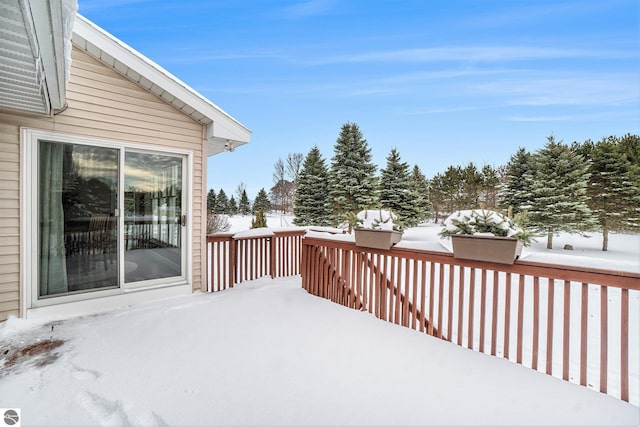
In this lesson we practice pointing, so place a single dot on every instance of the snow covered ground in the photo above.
(266, 352)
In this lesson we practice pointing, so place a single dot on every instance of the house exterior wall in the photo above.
(101, 104)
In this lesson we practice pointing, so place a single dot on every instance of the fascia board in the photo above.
(47, 21)
(224, 125)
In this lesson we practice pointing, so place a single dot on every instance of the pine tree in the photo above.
(420, 188)
(395, 194)
(437, 195)
(614, 188)
(352, 181)
(311, 200)
(244, 207)
(260, 221)
(559, 199)
(232, 208)
(472, 184)
(490, 185)
(262, 202)
(452, 188)
(515, 193)
(222, 202)
(211, 200)
(630, 145)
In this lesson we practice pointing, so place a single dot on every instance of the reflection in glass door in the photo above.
(153, 212)
(77, 222)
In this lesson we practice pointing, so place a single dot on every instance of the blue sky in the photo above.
(444, 82)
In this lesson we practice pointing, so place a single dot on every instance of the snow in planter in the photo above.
(483, 222)
(376, 219)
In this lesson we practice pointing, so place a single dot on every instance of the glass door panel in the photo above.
(77, 224)
(153, 211)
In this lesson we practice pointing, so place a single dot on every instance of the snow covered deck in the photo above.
(268, 353)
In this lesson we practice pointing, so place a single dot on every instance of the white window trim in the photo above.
(31, 306)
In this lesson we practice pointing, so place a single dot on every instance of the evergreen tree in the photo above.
(559, 199)
(490, 185)
(515, 192)
(262, 202)
(222, 202)
(472, 183)
(232, 208)
(630, 146)
(311, 200)
(395, 194)
(352, 181)
(437, 195)
(260, 221)
(244, 207)
(614, 188)
(420, 188)
(211, 200)
(452, 189)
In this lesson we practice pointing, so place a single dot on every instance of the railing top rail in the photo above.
(220, 237)
(615, 278)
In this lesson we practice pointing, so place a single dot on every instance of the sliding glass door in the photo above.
(84, 243)
(153, 216)
(78, 233)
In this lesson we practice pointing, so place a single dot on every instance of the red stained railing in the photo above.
(570, 322)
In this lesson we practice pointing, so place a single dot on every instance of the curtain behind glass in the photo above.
(53, 269)
(78, 234)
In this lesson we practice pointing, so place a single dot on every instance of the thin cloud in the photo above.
(308, 8)
(563, 89)
(472, 54)
(570, 117)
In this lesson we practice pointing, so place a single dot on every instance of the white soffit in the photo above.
(223, 131)
(32, 54)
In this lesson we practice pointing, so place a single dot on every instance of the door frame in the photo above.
(29, 226)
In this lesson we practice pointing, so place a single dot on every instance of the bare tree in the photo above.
(241, 188)
(294, 166)
(278, 191)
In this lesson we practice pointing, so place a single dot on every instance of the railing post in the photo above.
(232, 261)
(272, 256)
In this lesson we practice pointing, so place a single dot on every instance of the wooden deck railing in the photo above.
(234, 260)
(574, 323)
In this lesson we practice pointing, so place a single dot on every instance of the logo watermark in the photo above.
(10, 417)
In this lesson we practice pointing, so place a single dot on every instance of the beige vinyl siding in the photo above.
(9, 219)
(103, 104)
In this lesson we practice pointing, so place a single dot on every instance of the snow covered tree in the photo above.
(262, 202)
(352, 181)
(311, 200)
(515, 193)
(211, 200)
(420, 187)
(614, 187)
(559, 199)
(222, 202)
(244, 207)
(395, 194)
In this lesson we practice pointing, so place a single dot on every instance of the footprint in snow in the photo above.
(113, 413)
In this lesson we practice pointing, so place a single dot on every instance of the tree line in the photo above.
(589, 186)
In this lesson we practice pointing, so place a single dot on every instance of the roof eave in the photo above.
(221, 127)
(49, 28)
